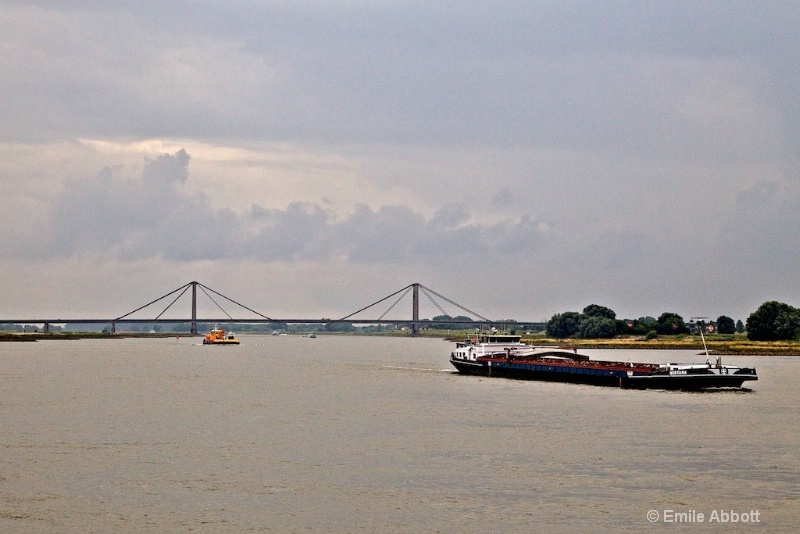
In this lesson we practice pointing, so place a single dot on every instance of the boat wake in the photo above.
(415, 369)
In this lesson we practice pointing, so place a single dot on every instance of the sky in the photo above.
(306, 158)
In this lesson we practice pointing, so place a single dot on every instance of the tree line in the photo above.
(772, 321)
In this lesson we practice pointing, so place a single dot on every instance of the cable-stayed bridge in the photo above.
(359, 316)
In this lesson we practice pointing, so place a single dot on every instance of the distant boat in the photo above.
(311, 335)
(218, 336)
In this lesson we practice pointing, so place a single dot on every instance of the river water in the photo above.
(373, 434)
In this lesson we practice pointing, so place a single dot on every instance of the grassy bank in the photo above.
(56, 336)
(717, 344)
(720, 347)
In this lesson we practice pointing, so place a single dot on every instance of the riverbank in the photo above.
(739, 345)
(738, 348)
(58, 336)
(719, 345)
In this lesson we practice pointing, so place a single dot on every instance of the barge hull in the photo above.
(600, 376)
(689, 382)
(549, 373)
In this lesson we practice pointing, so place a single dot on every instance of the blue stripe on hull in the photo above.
(599, 377)
(553, 373)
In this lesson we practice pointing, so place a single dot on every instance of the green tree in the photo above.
(787, 324)
(597, 326)
(339, 327)
(640, 326)
(670, 324)
(595, 310)
(725, 325)
(563, 325)
(450, 326)
(442, 326)
(773, 321)
(647, 323)
(739, 326)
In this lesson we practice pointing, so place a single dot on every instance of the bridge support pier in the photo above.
(415, 309)
(46, 328)
(194, 308)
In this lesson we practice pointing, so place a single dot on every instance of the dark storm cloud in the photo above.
(156, 215)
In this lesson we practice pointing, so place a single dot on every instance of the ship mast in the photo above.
(701, 321)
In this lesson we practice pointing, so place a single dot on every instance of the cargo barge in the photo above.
(504, 355)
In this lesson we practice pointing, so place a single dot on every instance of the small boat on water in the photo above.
(218, 336)
(504, 355)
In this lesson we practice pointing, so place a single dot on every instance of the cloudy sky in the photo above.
(308, 158)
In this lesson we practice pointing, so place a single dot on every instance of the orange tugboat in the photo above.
(217, 336)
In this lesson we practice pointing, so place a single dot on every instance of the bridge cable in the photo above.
(171, 303)
(215, 302)
(374, 303)
(153, 302)
(433, 301)
(457, 304)
(395, 303)
(231, 300)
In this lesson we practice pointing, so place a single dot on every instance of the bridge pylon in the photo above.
(194, 308)
(415, 309)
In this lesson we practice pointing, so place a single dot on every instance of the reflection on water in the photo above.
(347, 434)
